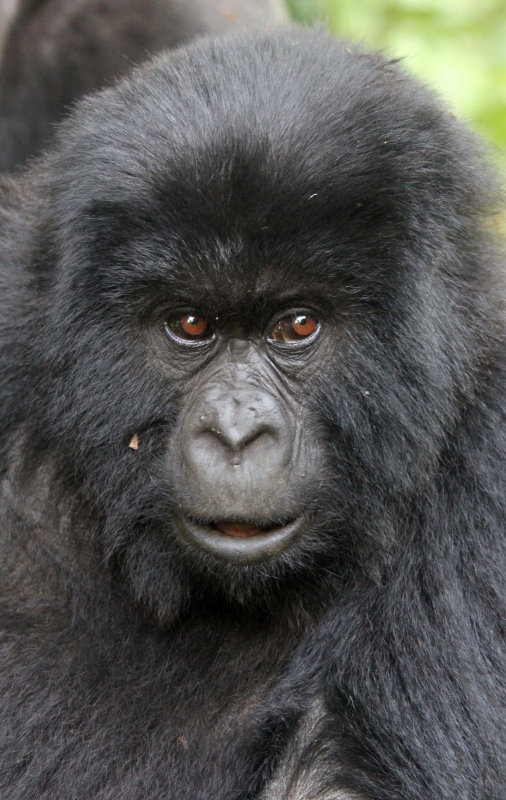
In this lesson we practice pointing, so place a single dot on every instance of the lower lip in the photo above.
(242, 549)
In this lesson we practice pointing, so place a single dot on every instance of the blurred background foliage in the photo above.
(456, 46)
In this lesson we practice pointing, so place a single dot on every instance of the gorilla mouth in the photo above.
(237, 540)
(243, 530)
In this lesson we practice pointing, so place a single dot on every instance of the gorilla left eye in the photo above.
(189, 328)
(293, 328)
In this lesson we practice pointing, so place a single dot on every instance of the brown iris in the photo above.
(293, 328)
(190, 327)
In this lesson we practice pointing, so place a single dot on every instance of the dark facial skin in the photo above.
(242, 455)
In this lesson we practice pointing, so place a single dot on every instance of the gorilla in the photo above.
(252, 439)
(54, 51)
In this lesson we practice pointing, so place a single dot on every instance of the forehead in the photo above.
(236, 229)
(243, 223)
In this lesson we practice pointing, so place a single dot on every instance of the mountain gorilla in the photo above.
(252, 538)
(54, 51)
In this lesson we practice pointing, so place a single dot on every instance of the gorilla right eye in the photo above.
(294, 327)
(189, 328)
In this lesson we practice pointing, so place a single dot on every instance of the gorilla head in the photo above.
(259, 316)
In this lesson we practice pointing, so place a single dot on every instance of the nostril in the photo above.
(238, 437)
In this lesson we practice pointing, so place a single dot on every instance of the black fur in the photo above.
(368, 661)
(55, 51)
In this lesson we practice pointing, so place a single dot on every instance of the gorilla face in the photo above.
(241, 458)
(256, 342)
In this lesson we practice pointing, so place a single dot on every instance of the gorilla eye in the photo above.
(293, 328)
(189, 328)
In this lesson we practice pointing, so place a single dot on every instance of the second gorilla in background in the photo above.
(55, 51)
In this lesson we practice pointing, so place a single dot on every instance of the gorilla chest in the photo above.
(187, 721)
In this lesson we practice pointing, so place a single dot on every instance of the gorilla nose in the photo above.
(242, 426)
(239, 419)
